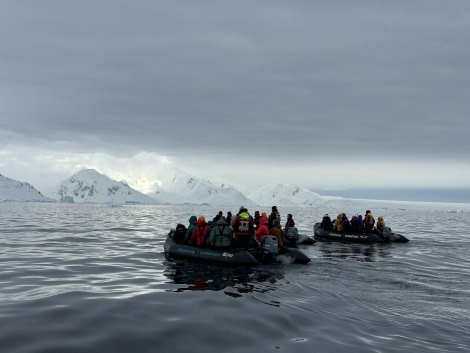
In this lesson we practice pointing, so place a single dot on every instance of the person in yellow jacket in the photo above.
(338, 226)
(380, 222)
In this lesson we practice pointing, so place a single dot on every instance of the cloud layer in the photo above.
(308, 92)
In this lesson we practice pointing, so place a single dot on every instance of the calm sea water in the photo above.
(88, 278)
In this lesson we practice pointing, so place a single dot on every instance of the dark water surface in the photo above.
(88, 278)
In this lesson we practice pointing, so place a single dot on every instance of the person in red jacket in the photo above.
(243, 229)
(264, 219)
(262, 231)
(369, 221)
(200, 232)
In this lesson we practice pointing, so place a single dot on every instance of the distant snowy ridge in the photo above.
(14, 190)
(181, 188)
(285, 195)
(88, 185)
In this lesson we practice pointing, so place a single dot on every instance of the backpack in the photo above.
(179, 233)
(371, 220)
(244, 226)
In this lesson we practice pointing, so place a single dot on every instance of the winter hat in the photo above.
(243, 209)
(201, 219)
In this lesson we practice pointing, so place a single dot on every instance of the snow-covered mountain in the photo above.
(14, 190)
(90, 186)
(178, 187)
(140, 183)
(175, 187)
(181, 188)
(285, 195)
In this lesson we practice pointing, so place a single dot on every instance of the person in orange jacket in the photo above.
(276, 230)
(200, 233)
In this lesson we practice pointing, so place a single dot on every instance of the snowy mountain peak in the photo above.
(88, 185)
(181, 188)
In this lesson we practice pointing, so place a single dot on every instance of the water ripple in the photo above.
(93, 278)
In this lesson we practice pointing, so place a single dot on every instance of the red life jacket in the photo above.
(369, 221)
(242, 226)
(199, 235)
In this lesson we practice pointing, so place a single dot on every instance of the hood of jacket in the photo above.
(221, 222)
(201, 222)
(244, 215)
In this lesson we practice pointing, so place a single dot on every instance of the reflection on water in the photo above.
(357, 251)
(201, 276)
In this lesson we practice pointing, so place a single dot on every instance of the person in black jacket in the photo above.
(274, 215)
(355, 224)
(326, 222)
(290, 221)
(217, 217)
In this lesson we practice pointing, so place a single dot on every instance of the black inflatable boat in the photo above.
(267, 252)
(384, 235)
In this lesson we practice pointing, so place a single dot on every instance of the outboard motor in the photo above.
(385, 233)
(291, 235)
(268, 249)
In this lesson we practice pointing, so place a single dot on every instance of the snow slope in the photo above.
(285, 195)
(181, 188)
(14, 190)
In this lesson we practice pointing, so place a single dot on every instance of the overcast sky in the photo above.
(324, 94)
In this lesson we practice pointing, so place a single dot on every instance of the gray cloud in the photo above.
(272, 81)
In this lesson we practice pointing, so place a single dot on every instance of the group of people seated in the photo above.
(243, 231)
(357, 224)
